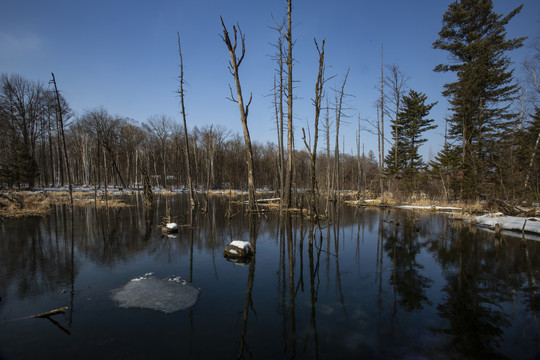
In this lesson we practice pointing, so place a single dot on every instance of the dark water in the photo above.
(428, 288)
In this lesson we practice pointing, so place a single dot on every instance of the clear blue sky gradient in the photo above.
(123, 55)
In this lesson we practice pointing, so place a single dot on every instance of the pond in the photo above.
(374, 284)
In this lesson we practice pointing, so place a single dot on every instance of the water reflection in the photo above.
(370, 283)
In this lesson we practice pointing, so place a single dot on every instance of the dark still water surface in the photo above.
(427, 288)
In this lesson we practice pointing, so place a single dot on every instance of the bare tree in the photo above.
(183, 110)
(396, 81)
(381, 129)
(234, 65)
(313, 151)
(339, 113)
(278, 103)
(60, 119)
(160, 126)
(290, 140)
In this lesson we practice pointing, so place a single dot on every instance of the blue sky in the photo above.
(123, 55)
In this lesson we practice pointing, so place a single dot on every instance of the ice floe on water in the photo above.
(168, 295)
(530, 226)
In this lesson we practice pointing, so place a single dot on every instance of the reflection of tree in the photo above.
(474, 291)
(35, 255)
(253, 229)
(292, 292)
(403, 246)
(314, 287)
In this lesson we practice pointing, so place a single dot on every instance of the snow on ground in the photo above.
(429, 207)
(532, 224)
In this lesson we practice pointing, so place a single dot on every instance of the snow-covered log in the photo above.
(238, 249)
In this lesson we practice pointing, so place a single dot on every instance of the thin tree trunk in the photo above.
(313, 152)
(183, 110)
(63, 140)
(339, 106)
(289, 173)
(279, 135)
(51, 153)
(328, 180)
(382, 123)
(244, 110)
(532, 160)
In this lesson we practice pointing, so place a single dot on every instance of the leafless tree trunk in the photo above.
(339, 113)
(278, 105)
(379, 143)
(279, 129)
(532, 161)
(382, 126)
(313, 152)
(328, 172)
(359, 158)
(290, 140)
(234, 64)
(397, 82)
(51, 153)
(186, 139)
(66, 160)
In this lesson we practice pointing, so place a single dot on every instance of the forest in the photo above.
(490, 151)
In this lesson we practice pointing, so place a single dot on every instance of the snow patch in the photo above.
(240, 244)
(432, 207)
(531, 224)
(172, 226)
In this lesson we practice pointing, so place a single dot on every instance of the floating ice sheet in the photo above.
(168, 295)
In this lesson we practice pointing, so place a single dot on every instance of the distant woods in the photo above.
(114, 150)
(491, 134)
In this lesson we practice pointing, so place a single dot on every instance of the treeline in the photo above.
(111, 149)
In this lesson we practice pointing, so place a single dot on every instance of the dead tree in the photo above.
(183, 110)
(339, 112)
(278, 103)
(382, 127)
(234, 64)
(397, 83)
(290, 140)
(313, 152)
(60, 119)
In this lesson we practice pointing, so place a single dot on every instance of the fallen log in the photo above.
(50, 313)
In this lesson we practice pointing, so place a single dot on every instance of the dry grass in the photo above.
(389, 200)
(18, 204)
(226, 193)
(28, 203)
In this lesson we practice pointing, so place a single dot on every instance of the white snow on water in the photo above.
(240, 244)
(168, 295)
(532, 224)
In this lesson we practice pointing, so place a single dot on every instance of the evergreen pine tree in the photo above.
(411, 123)
(446, 167)
(475, 37)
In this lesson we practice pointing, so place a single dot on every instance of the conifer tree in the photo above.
(446, 168)
(475, 37)
(412, 122)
